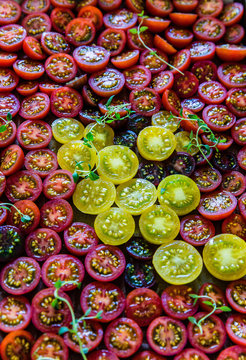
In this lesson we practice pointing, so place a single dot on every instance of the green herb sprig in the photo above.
(210, 302)
(140, 29)
(6, 122)
(75, 322)
(194, 137)
(7, 206)
(110, 116)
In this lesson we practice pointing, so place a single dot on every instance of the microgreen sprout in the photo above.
(140, 29)
(110, 116)
(6, 122)
(7, 206)
(210, 302)
(75, 322)
(194, 137)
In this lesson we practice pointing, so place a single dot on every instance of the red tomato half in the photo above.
(196, 230)
(49, 345)
(15, 313)
(217, 205)
(12, 37)
(10, 12)
(66, 102)
(235, 295)
(80, 238)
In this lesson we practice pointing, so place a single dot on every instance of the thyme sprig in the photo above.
(7, 206)
(110, 116)
(210, 302)
(140, 29)
(6, 122)
(75, 322)
(202, 127)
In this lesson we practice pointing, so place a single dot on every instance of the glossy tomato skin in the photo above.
(16, 313)
(210, 341)
(177, 303)
(33, 49)
(20, 281)
(215, 292)
(56, 215)
(196, 230)
(202, 50)
(183, 19)
(99, 264)
(62, 267)
(178, 37)
(105, 297)
(51, 343)
(27, 88)
(128, 327)
(226, 204)
(235, 295)
(143, 300)
(9, 80)
(231, 14)
(42, 243)
(80, 238)
(185, 6)
(154, 338)
(52, 318)
(161, 9)
(34, 134)
(28, 69)
(125, 59)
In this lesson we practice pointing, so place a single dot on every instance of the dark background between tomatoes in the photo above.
(159, 285)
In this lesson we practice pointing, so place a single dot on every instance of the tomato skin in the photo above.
(10, 12)
(230, 75)
(235, 295)
(163, 45)
(234, 34)
(183, 19)
(222, 212)
(178, 37)
(20, 340)
(92, 13)
(128, 326)
(209, 8)
(153, 64)
(18, 284)
(232, 13)
(70, 4)
(28, 69)
(121, 19)
(148, 355)
(241, 155)
(52, 344)
(27, 88)
(11, 159)
(162, 81)
(158, 8)
(234, 182)
(125, 60)
(60, 17)
(102, 354)
(202, 50)
(60, 67)
(227, 52)
(7, 59)
(185, 6)
(9, 80)
(185, 85)
(144, 95)
(32, 48)
(171, 101)
(137, 77)
(109, 5)
(155, 24)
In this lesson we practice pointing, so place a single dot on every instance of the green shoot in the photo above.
(211, 302)
(6, 122)
(194, 138)
(7, 206)
(75, 322)
(140, 29)
(111, 115)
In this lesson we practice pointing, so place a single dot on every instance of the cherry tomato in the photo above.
(2, 183)
(11, 159)
(160, 342)
(214, 292)
(61, 67)
(34, 134)
(162, 81)
(17, 344)
(209, 8)
(47, 318)
(49, 345)
(234, 182)
(145, 101)
(226, 52)
(24, 208)
(207, 179)
(113, 40)
(109, 5)
(28, 69)
(185, 85)
(12, 37)
(148, 355)
(212, 92)
(155, 24)
(234, 352)
(143, 301)
(223, 142)
(60, 17)
(59, 184)
(42, 243)
(178, 37)
(140, 249)
(235, 295)
(204, 70)
(213, 336)
(91, 58)
(151, 171)
(218, 118)
(56, 215)
(209, 29)
(107, 82)
(7, 136)
(67, 129)
(188, 354)
(134, 42)
(163, 45)
(177, 302)
(92, 13)
(236, 101)
(8, 80)
(80, 238)
(189, 194)
(185, 5)
(41, 162)
(196, 230)
(10, 12)
(171, 102)
(139, 274)
(48, 87)
(231, 266)
(241, 158)
(181, 163)
(27, 88)
(159, 8)
(80, 31)
(178, 262)
(15, 313)
(217, 205)
(183, 19)
(152, 63)
(70, 4)
(12, 239)
(225, 160)
(121, 19)
(36, 24)
(231, 75)
(235, 224)
(125, 59)
(8, 104)
(193, 104)
(137, 77)
(30, 6)
(105, 297)
(123, 336)
(23, 185)
(20, 276)
(54, 43)
(234, 34)
(232, 13)
(66, 268)
(202, 50)
(7, 59)
(33, 49)
(100, 354)
(66, 102)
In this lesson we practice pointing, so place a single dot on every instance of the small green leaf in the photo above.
(75, 177)
(193, 116)
(163, 191)
(141, 14)
(58, 284)
(99, 314)
(117, 115)
(79, 285)
(224, 308)
(89, 136)
(93, 176)
(133, 31)
(110, 99)
(181, 112)
(88, 145)
(143, 28)
(63, 330)
(4, 207)
(207, 147)
(3, 128)
(54, 303)
(25, 218)
(191, 135)
(208, 303)
(88, 311)
(9, 116)
(192, 320)
(153, 53)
